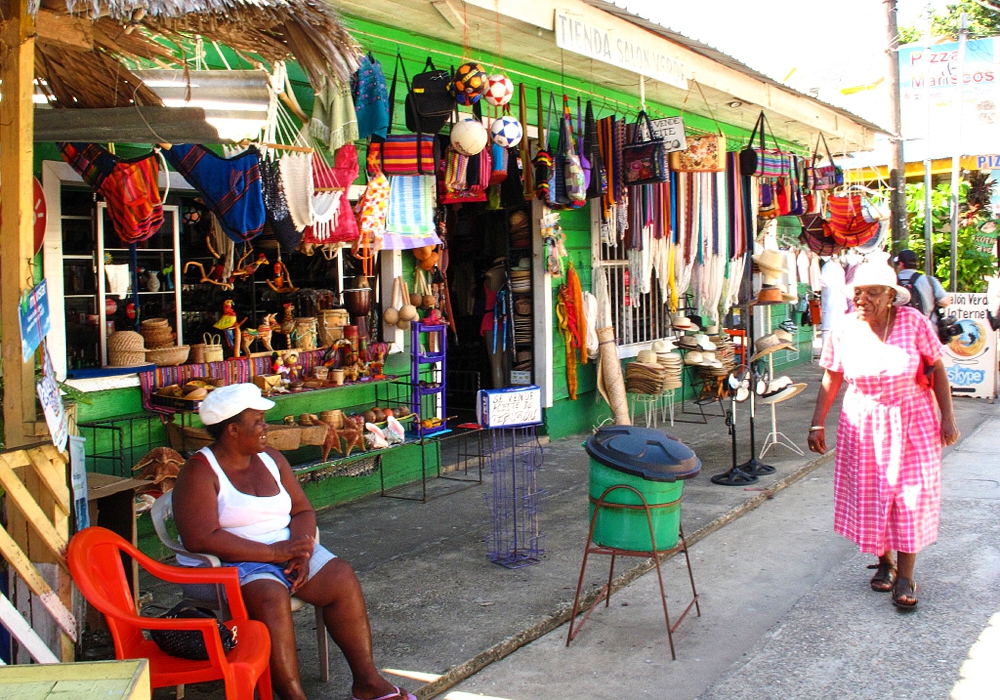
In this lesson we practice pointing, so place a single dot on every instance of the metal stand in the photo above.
(655, 553)
(776, 437)
(516, 500)
(735, 476)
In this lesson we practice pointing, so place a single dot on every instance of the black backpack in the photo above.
(916, 298)
(429, 102)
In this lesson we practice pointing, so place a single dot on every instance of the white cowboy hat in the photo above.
(703, 342)
(767, 344)
(663, 345)
(693, 358)
(873, 274)
(771, 259)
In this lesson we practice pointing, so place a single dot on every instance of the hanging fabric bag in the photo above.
(644, 160)
(371, 100)
(759, 160)
(705, 153)
(598, 186)
(429, 102)
(822, 177)
(581, 147)
(573, 175)
(542, 162)
(815, 237)
(847, 224)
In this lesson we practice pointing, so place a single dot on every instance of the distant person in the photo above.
(887, 478)
(926, 293)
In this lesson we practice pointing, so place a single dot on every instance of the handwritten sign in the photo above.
(509, 408)
(671, 130)
(52, 405)
(971, 358)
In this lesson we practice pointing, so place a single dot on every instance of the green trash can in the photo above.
(653, 463)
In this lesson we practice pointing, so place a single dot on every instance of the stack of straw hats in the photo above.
(646, 375)
(773, 266)
(671, 362)
(519, 226)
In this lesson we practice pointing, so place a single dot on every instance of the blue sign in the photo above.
(35, 320)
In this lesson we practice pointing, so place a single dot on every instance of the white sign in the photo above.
(971, 358)
(637, 51)
(78, 478)
(929, 76)
(671, 130)
(52, 405)
(509, 408)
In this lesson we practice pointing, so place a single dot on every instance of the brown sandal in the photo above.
(884, 578)
(904, 594)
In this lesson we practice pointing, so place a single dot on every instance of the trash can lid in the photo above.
(644, 452)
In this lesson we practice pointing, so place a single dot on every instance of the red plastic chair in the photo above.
(95, 563)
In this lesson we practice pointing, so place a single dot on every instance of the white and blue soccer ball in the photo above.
(506, 131)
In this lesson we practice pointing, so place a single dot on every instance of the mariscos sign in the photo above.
(636, 51)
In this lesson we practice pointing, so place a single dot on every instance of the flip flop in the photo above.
(400, 694)
(884, 578)
(904, 588)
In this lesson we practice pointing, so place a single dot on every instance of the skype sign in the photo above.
(971, 357)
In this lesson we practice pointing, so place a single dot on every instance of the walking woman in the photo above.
(887, 480)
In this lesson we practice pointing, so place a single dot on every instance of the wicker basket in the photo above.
(213, 347)
(334, 418)
(197, 353)
(168, 357)
(157, 336)
(154, 322)
(126, 349)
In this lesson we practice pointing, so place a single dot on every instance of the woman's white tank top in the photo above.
(258, 518)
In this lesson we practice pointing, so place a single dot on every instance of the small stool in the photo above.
(655, 553)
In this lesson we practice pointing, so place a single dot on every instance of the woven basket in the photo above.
(154, 322)
(125, 349)
(213, 347)
(168, 357)
(157, 336)
(197, 353)
(126, 358)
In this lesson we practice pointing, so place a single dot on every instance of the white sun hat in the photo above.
(872, 274)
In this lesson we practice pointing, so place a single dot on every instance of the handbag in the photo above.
(542, 162)
(705, 153)
(815, 237)
(406, 154)
(598, 186)
(190, 644)
(573, 175)
(822, 177)
(760, 161)
(429, 103)
(644, 160)
(581, 148)
(769, 208)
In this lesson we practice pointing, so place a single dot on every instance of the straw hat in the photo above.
(688, 341)
(871, 274)
(767, 344)
(703, 342)
(771, 260)
(663, 345)
(694, 358)
(712, 330)
(784, 335)
(769, 295)
(781, 389)
(646, 357)
(683, 323)
(708, 359)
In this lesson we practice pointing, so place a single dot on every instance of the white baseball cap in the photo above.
(227, 401)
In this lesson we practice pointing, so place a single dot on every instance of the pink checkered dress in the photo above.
(887, 481)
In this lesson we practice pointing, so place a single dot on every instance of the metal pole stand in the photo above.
(776, 437)
(656, 554)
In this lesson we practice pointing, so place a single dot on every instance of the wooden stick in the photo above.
(276, 146)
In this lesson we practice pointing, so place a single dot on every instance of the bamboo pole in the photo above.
(17, 35)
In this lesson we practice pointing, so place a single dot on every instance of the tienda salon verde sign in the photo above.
(630, 48)
(971, 357)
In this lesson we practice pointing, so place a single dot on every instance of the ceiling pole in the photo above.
(897, 167)
(17, 71)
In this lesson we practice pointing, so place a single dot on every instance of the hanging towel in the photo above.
(297, 181)
(410, 219)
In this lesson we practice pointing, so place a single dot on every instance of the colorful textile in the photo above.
(887, 480)
(373, 206)
(276, 206)
(410, 220)
(129, 186)
(230, 187)
(371, 98)
(334, 121)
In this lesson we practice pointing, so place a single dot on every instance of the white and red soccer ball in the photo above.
(506, 131)
(499, 90)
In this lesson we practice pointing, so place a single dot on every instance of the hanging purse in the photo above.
(581, 147)
(822, 177)
(847, 225)
(542, 162)
(768, 208)
(644, 160)
(573, 175)
(598, 186)
(815, 237)
(704, 153)
(760, 161)
(405, 154)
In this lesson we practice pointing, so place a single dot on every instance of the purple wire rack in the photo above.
(515, 501)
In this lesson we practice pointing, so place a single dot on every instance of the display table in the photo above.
(107, 680)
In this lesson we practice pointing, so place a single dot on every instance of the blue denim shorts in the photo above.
(257, 571)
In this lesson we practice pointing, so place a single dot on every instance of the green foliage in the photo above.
(972, 263)
(982, 23)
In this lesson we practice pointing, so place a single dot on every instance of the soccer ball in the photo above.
(499, 90)
(506, 131)
(469, 83)
(192, 215)
(469, 136)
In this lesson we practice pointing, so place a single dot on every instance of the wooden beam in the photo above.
(23, 633)
(65, 30)
(17, 559)
(16, 491)
(17, 72)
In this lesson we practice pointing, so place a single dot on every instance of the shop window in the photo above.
(638, 318)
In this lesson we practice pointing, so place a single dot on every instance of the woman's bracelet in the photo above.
(814, 428)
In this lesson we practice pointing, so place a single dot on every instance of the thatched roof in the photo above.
(81, 44)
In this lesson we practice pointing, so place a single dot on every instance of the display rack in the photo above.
(428, 377)
(775, 436)
(515, 501)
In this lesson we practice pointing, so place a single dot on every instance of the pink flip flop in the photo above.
(400, 694)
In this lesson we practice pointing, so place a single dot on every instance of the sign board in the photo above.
(35, 321)
(929, 92)
(509, 408)
(634, 50)
(671, 130)
(971, 358)
(52, 405)
(78, 478)
(520, 377)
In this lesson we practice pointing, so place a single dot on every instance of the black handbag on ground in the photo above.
(190, 644)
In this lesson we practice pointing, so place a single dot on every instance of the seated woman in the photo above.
(239, 500)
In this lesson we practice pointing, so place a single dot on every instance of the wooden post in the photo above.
(17, 70)
(899, 228)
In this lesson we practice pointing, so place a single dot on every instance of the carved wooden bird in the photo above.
(228, 318)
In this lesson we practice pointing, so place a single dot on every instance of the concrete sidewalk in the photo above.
(442, 613)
